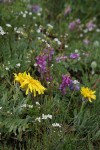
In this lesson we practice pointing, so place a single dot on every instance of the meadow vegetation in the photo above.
(50, 75)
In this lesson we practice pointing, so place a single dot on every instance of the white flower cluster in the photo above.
(56, 125)
(26, 106)
(8, 25)
(19, 30)
(2, 31)
(50, 26)
(44, 117)
(25, 13)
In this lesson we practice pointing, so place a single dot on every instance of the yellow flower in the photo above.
(28, 83)
(87, 93)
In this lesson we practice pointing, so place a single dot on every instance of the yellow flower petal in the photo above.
(29, 84)
(88, 93)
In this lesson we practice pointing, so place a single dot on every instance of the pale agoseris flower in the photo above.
(88, 93)
(29, 84)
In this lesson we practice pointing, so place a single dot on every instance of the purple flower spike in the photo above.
(49, 54)
(41, 64)
(66, 81)
(74, 55)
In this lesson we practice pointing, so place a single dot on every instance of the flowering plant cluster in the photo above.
(49, 75)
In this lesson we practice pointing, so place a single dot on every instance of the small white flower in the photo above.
(56, 125)
(49, 116)
(2, 32)
(24, 15)
(52, 65)
(38, 14)
(0, 107)
(66, 46)
(26, 12)
(75, 82)
(8, 25)
(85, 30)
(43, 40)
(1, 28)
(15, 28)
(30, 106)
(7, 68)
(76, 50)
(44, 117)
(38, 119)
(59, 43)
(35, 25)
(37, 103)
(38, 38)
(48, 45)
(21, 13)
(48, 82)
(50, 26)
(97, 30)
(81, 35)
(38, 31)
(55, 39)
(30, 13)
(34, 18)
(24, 106)
(18, 65)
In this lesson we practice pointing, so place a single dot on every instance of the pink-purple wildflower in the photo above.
(35, 8)
(90, 25)
(41, 63)
(67, 10)
(74, 24)
(66, 81)
(86, 42)
(74, 55)
(61, 58)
